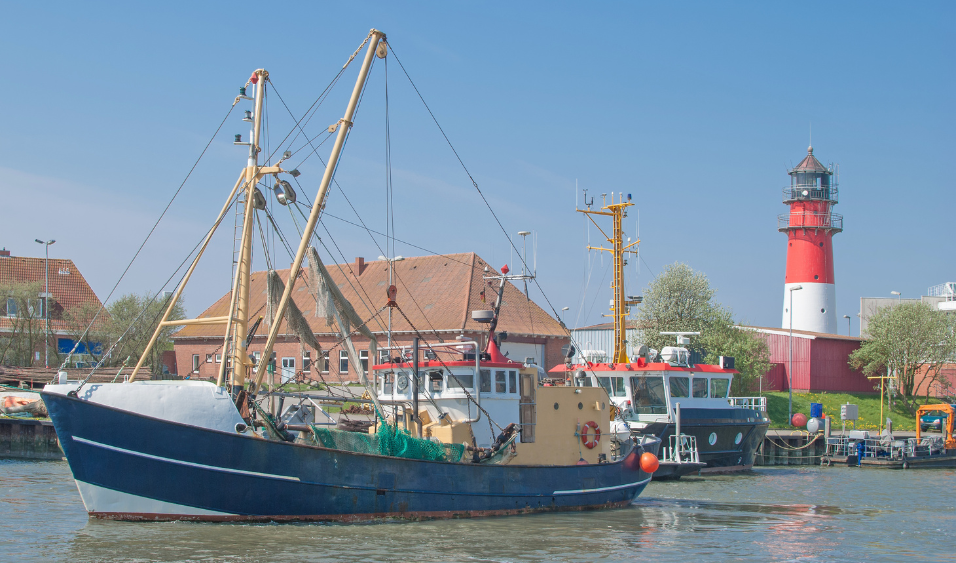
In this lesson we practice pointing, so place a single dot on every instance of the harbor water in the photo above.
(770, 514)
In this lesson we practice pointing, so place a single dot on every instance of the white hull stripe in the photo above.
(185, 463)
(616, 487)
(100, 500)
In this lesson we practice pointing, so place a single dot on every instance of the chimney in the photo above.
(359, 266)
(4, 252)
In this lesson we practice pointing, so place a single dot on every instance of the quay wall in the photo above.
(28, 439)
(786, 448)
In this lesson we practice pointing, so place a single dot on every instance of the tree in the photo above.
(23, 309)
(133, 319)
(681, 300)
(907, 339)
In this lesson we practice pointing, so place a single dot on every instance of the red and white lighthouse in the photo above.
(810, 227)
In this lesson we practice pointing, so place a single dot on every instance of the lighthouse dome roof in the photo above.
(810, 164)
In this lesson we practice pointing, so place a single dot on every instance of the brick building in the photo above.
(68, 292)
(436, 295)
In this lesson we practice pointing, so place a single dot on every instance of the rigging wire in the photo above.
(150, 234)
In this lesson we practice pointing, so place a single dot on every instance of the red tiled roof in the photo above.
(436, 293)
(68, 287)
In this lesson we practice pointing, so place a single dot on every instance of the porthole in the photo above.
(603, 405)
(712, 439)
(823, 310)
(816, 277)
(738, 438)
(821, 245)
(785, 310)
(580, 406)
(555, 406)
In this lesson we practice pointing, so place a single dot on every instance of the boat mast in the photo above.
(240, 361)
(343, 125)
(619, 305)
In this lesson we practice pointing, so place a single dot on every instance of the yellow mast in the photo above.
(619, 305)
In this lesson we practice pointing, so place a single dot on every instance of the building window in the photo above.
(256, 356)
(325, 362)
(208, 358)
(195, 363)
(219, 358)
(11, 307)
(343, 361)
(363, 356)
(307, 362)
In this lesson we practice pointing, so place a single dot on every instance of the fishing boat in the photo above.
(215, 451)
(687, 405)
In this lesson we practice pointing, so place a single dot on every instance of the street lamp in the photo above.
(847, 317)
(790, 370)
(563, 309)
(390, 266)
(898, 295)
(46, 301)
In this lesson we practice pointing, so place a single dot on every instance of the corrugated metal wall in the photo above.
(600, 339)
(819, 364)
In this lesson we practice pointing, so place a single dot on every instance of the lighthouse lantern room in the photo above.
(810, 226)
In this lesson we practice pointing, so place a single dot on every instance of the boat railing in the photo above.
(681, 449)
(754, 403)
(884, 447)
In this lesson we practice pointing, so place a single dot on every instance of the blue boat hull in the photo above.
(133, 467)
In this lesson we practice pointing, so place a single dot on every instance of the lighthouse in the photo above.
(810, 226)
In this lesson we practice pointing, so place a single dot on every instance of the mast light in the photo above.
(248, 116)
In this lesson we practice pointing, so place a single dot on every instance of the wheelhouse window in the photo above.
(719, 388)
(458, 380)
(700, 387)
(484, 381)
(680, 387)
(648, 395)
(388, 378)
(435, 380)
(501, 385)
(583, 381)
(512, 382)
(613, 385)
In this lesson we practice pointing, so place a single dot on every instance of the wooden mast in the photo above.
(343, 125)
(619, 305)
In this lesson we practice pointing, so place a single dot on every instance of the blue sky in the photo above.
(695, 108)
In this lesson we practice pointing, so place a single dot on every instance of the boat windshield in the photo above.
(648, 395)
(700, 387)
(613, 385)
(680, 387)
(466, 378)
(719, 388)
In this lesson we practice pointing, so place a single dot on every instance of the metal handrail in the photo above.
(754, 403)
(811, 193)
(810, 220)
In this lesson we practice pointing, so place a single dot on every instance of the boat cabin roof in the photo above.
(426, 364)
(643, 367)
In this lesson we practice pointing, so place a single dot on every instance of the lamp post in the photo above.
(790, 370)
(563, 309)
(847, 317)
(46, 301)
(898, 295)
(390, 262)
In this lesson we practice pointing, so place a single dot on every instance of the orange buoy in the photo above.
(649, 462)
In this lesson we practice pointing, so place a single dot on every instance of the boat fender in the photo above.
(587, 439)
(649, 462)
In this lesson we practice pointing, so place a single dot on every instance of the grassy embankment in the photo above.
(869, 409)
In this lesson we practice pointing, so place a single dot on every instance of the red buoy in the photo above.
(649, 462)
(799, 420)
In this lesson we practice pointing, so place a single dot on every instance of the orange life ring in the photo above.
(586, 438)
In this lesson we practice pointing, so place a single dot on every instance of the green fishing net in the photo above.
(390, 441)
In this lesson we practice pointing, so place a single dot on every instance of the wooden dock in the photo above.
(27, 438)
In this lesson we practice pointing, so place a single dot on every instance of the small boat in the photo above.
(858, 449)
(686, 405)
(212, 451)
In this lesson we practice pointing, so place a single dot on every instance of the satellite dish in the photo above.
(568, 350)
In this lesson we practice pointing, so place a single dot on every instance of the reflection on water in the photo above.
(809, 514)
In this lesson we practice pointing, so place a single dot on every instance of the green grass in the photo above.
(869, 409)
